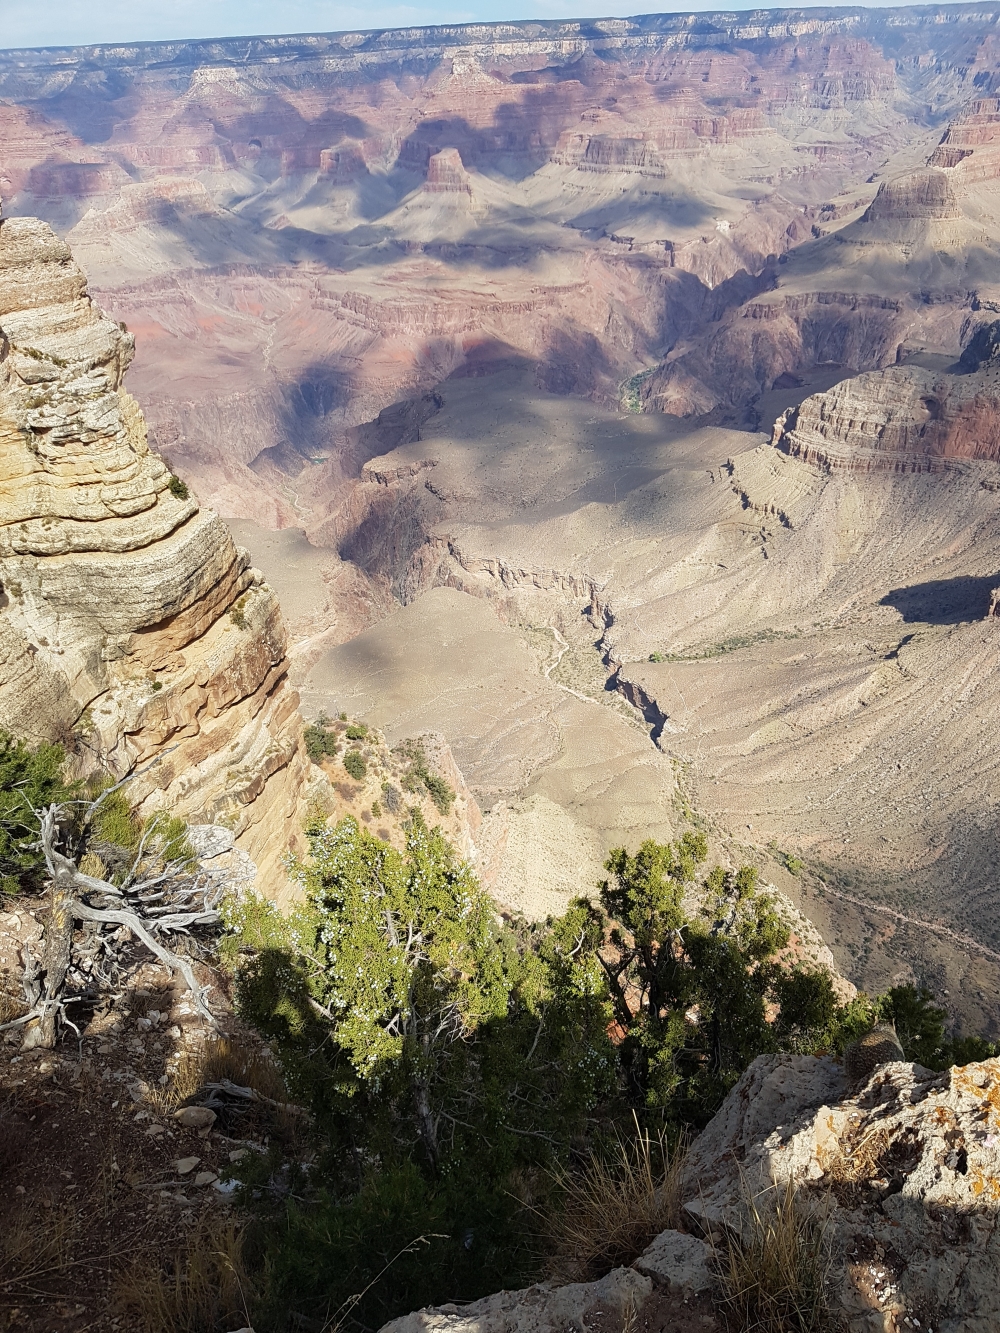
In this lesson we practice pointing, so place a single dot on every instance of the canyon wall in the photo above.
(133, 629)
(903, 419)
(304, 230)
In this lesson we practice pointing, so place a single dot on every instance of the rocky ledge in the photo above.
(132, 628)
(904, 1169)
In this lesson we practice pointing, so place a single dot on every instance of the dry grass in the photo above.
(611, 1210)
(247, 1063)
(11, 1006)
(872, 1162)
(773, 1276)
(203, 1288)
(36, 1245)
(237, 1059)
(858, 1164)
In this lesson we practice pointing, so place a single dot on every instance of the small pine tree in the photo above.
(30, 778)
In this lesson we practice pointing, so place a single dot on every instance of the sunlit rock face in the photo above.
(133, 629)
(302, 231)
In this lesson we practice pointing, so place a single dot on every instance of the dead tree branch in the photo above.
(154, 897)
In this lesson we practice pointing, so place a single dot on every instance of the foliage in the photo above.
(203, 1286)
(29, 779)
(118, 841)
(418, 776)
(321, 739)
(357, 731)
(238, 613)
(630, 391)
(919, 1024)
(354, 762)
(504, 1091)
(178, 488)
(690, 995)
(613, 1206)
(449, 1058)
(967, 1050)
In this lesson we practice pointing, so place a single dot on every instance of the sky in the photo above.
(79, 22)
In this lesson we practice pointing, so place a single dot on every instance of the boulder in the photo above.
(679, 1262)
(539, 1309)
(907, 1170)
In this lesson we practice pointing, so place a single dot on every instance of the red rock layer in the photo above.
(972, 141)
(904, 419)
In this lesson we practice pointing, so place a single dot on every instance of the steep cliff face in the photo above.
(132, 627)
(903, 419)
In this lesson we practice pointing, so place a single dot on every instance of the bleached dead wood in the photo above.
(155, 897)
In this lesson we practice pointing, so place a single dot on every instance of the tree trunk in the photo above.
(41, 1032)
(425, 1116)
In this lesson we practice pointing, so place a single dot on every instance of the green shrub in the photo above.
(115, 823)
(919, 1024)
(321, 739)
(630, 391)
(30, 777)
(418, 777)
(357, 731)
(238, 614)
(354, 762)
(178, 488)
(404, 1012)
(473, 1078)
(440, 793)
(393, 798)
(969, 1050)
(118, 834)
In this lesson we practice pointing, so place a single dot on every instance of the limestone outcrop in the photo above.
(132, 628)
(906, 1172)
(908, 1169)
(540, 1309)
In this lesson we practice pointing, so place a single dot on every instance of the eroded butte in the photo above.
(618, 398)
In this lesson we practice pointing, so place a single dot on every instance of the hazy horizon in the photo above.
(80, 23)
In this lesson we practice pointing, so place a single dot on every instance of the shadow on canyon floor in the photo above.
(943, 601)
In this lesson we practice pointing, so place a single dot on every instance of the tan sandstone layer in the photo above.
(132, 628)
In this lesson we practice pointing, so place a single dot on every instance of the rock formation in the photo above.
(593, 194)
(908, 1167)
(132, 628)
(906, 1170)
(903, 419)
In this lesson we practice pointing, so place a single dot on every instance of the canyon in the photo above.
(617, 398)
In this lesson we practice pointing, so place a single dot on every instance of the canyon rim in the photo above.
(584, 431)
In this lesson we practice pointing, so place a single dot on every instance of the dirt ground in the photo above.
(98, 1182)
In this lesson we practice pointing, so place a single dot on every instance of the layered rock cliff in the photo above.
(902, 419)
(132, 628)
